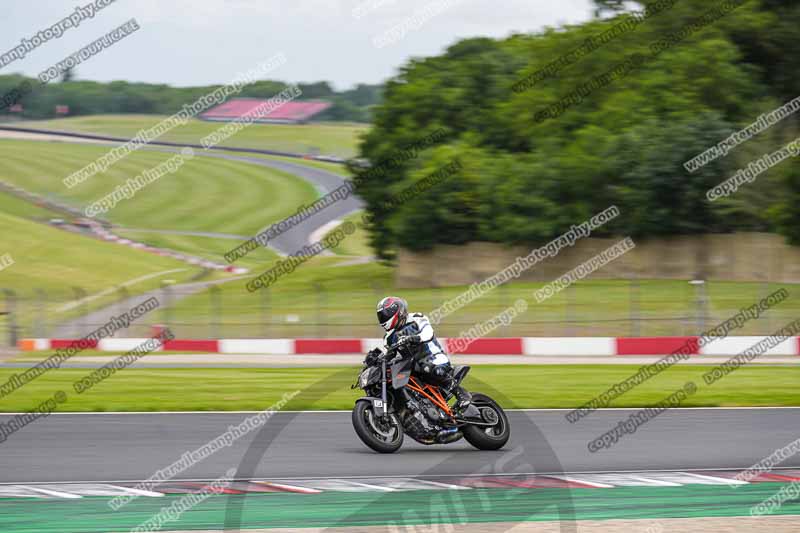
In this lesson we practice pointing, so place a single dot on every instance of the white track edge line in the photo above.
(423, 476)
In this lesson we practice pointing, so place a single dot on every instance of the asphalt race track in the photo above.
(293, 240)
(131, 447)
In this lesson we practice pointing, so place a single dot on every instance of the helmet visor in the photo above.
(387, 318)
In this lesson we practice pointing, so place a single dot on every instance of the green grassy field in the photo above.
(325, 138)
(204, 194)
(519, 386)
(12, 205)
(209, 248)
(51, 259)
(209, 195)
(49, 262)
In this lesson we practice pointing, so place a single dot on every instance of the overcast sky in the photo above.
(199, 42)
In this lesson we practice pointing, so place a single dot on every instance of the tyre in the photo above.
(483, 437)
(383, 437)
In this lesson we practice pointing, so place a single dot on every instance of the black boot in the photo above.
(463, 398)
(443, 376)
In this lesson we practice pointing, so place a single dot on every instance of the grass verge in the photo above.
(205, 194)
(524, 386)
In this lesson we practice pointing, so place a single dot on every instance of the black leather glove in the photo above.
(413, 339)
(408, 339)
(372, 356)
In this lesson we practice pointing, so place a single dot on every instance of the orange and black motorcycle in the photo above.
(397, 403)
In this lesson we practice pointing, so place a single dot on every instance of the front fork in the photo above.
(380, 407)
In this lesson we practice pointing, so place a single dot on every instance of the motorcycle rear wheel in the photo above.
(383, 437)
(488, 438)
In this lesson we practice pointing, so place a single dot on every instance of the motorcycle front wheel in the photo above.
(382, 435)
(491, 437)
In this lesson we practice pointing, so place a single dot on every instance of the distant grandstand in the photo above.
(288, 113)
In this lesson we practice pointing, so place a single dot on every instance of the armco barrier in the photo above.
(536, 346)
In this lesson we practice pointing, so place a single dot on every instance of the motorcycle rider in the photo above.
(415, 333)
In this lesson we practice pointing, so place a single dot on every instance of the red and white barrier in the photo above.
(569, 346)
(544, 346)
(736, 345)
(268, 346)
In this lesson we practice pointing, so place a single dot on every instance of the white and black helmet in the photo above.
(392, 313)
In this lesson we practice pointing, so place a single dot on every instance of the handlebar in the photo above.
(389, 360)
(394, 347)
(390, 351)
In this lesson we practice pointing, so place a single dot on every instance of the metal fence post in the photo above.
(216, 311)
(40, 328)
(265, 311)
(166, 289)
(700, 305)
(569, 300)
(764, 294)
(686, 319)
(635, 309)
(123, 296)
(80, 323)
(502, 294)
(10, 312)
(321, 301)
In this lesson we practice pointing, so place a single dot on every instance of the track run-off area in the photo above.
(309, 468)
